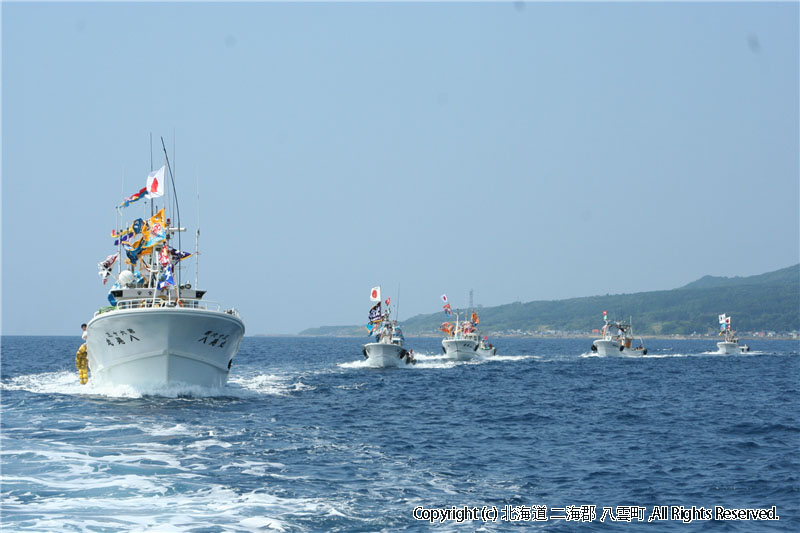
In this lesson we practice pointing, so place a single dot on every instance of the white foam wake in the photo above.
(66, 382)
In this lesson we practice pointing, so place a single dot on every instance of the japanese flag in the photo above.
(375, 294)
(155, 183)
(444, 298)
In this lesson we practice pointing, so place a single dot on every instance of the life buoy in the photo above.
(364, 351)
(82, 364)
(594, 348)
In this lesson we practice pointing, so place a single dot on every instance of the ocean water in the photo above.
(306, 438)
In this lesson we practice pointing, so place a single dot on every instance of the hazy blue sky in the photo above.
(536, 151)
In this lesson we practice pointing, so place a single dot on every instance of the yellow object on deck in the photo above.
(82, 363)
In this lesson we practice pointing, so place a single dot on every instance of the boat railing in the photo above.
(149, 303)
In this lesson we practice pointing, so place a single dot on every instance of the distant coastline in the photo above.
(761, 306)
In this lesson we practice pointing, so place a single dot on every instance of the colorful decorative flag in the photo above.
(375, 314)
(370, 326)
(722, 319)
(447, 328)
(104, 267)
(447, 309)
(168, 279)
(178, 255)
(475, 318)
(128, 233)
(156, 230)
(375, 294)
(388, 300)
(133, 197)
(134, 250)
(155, 183)
(165, 258)
(604, 314)
(444, 298)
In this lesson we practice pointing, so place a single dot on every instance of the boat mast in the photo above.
(177, 214)
(197, 238)
(118, 223)
(151, 170)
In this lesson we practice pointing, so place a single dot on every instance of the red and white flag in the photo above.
(375, 294)
(388, 300)
(444, 298)
(155, 183)
(165, 258)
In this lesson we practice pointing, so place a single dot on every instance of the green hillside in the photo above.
(766, 302)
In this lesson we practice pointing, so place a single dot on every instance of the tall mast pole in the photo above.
(151, 169)
(177, 210)
(197, 237)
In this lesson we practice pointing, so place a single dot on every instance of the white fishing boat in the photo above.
(485, 348)
(617, 339)
(388, 350)
(461, 343)
(158, 331)
(730, 345)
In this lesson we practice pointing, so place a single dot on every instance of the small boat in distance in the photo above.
(731, 343)
(461, 342)
(617, 339)
(158, 331)
(485, 348)
(388, 350)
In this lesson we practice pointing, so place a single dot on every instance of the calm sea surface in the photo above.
(306, 438)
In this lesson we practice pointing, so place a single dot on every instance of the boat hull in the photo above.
(611, 347)
(486, 352)
(383, 355)
(730, 348)
(155, 347)
(460, 349)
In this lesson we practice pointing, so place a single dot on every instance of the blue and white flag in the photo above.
(375, 314)
(370, 327)
(168, 279)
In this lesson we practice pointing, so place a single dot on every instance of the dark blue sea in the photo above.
(306, 438)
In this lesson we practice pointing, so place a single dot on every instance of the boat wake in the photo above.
(67, 383)
(490, 358)
(160, 477)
